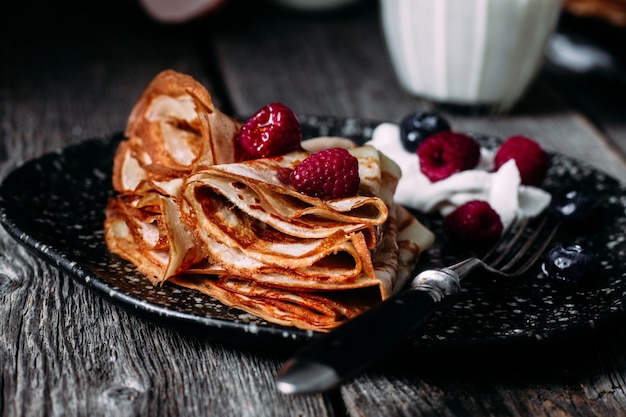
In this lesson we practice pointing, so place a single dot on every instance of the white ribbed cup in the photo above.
(468, 52)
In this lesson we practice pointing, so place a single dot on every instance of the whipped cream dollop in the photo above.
(502, 189)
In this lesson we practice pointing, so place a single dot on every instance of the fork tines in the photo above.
(521, 245)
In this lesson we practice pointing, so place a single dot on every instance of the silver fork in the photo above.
(336, 356)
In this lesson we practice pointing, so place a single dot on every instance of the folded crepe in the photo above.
(173, 128)
(190, 212)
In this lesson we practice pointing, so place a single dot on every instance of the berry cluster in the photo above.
(443, 152)
(274, 130)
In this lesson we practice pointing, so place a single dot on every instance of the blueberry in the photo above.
(417, 126)
(573, 207)
(570, 264)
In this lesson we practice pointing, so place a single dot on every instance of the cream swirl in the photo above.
(502, 189)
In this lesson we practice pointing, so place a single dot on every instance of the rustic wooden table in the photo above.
(71, 71)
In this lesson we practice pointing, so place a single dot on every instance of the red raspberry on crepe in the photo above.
(273, 130)
(330, 173)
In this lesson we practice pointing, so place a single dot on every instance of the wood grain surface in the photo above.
(71, 72)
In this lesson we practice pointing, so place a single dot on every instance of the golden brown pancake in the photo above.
(189, 212)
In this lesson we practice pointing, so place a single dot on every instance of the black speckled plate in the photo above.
(54, 205)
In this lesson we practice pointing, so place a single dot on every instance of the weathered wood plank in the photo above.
(580, 377)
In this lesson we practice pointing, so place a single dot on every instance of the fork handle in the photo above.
(340, 354)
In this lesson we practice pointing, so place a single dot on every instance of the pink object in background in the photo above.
(178, 11)
(315, 5)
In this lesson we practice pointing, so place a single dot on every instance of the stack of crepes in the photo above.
(189, 212)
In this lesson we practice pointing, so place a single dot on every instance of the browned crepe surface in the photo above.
(189, 212)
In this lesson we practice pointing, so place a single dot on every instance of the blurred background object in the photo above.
(315, 5)
(475, 53)
(179, 11)
(612, 11)
(589, 40)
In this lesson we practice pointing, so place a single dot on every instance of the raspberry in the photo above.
(330, 173)
(474, 222)
(273, 130)
(446, 153)
(531, 160)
